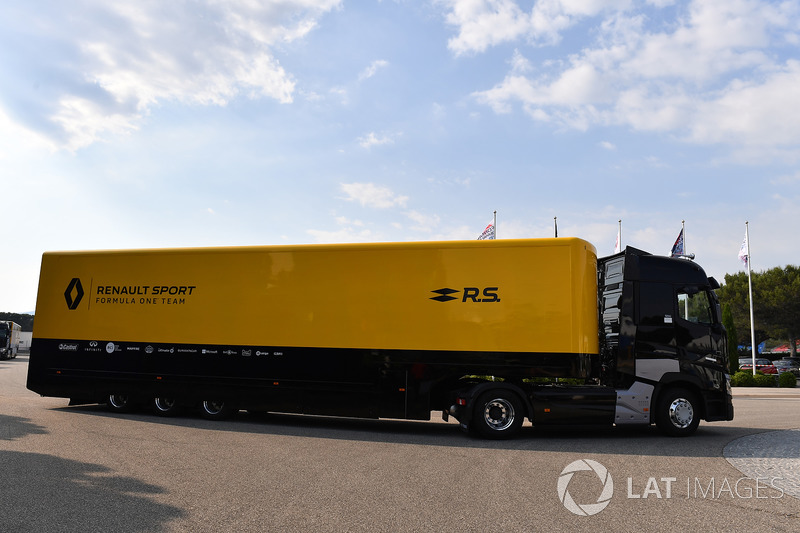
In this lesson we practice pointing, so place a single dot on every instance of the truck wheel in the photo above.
(166, 406)
(677, 413)
(120, 403)
(216, 409)
(497, 415)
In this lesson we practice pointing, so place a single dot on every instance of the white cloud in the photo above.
(787, 179)
(372, 69)
(346, 234)
(718, 37)
(101, 72)
(711, 77)
(372, 139)
(371, 195)
(762, 112)
(422, 222)
(519, 63)
(485, 23)
(347, 231)
(344, 221)
(608, 145)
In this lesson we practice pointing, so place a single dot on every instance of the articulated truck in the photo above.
(9, 339)
(489, 332)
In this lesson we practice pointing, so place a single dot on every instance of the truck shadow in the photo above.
(51, 493)
(709, 440)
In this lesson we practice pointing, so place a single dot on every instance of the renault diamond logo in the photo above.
(76, 288)
(444, 295)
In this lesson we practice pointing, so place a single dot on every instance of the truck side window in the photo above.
(655, 303)
(694, 306)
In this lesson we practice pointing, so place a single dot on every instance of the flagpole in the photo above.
(555, 226)
(750, 288)
(686, 252)
(683, 230)
(494, 221)
(620, 234)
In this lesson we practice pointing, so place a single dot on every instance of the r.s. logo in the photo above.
(468, 294)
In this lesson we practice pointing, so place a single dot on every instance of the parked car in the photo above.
(788, 365)
(763, 365)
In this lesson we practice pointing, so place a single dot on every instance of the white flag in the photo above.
(744, 251)
(488, 233)
(617, 247)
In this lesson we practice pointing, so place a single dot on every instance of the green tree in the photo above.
(776, 304)
(734, 293)
(779, 301)
(25, 321)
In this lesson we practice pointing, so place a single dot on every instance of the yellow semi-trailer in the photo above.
(393, 330)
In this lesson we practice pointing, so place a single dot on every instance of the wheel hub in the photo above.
(499, 414)
(681, 413)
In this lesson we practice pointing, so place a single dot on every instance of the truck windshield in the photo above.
(695, 307)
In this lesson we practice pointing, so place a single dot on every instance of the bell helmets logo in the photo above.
(585, 509)
(74, 294)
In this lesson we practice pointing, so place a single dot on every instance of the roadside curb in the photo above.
(765, 392)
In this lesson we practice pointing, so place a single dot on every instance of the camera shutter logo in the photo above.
(586, 509)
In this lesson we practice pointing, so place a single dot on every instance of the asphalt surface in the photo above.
(83, 469)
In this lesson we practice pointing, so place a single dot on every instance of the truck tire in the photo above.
(497, 414)
(216, 409)
(165, 406)
(120, 403)
(677, 412)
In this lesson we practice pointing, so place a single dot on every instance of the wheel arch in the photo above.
(474, 392)
(678, 381)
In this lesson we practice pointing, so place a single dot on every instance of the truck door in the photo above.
(699, 334)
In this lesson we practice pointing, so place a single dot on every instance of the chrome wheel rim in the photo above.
(213, 407)
(118, 401)
(164, 404)
(498, 414)
(681, 413)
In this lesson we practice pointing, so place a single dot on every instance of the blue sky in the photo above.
(245, 122)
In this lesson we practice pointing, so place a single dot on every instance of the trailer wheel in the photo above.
(164, 406)
(120, 403)
(216, 409)
(678, 413)
(497, 415)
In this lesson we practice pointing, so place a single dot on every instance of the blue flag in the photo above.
(677, 248)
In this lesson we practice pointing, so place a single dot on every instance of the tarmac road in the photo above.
(82, 469)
